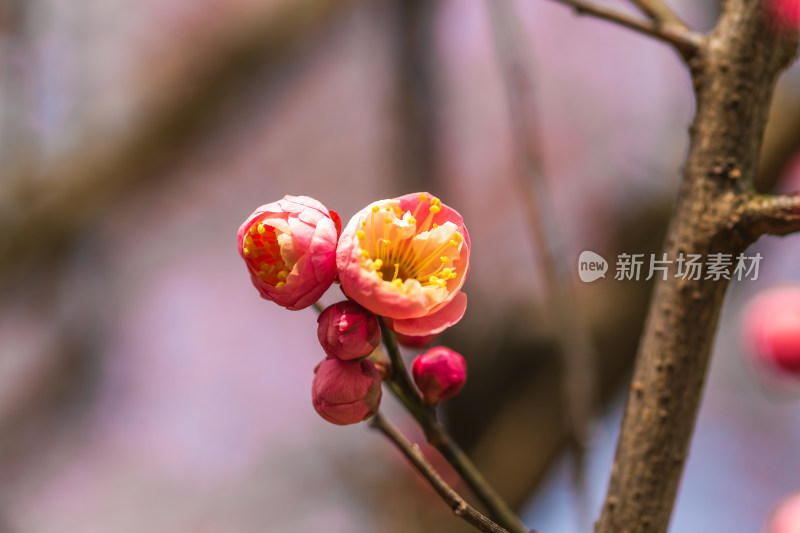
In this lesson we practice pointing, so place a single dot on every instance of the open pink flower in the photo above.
(439, 374)
(406, 259)
(290, 250)
(348, 331)
(346, 392)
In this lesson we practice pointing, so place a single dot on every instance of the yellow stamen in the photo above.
(397, 283)
(261, 229)
(396, 270)
(388, 208)
(361, 235)
(435, 226)
(252, 230)
(280, 284)
(435, 209)
(412, 220)
(283, 274)
(423, 197)
(246, 251)
(377, 264)
(444, 259)
(375, 208)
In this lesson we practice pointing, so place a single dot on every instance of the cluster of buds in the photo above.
(404, 259)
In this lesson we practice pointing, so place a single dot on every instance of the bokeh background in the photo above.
(144, 385)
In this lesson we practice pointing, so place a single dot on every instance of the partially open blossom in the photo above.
(346, 392)
(406, 259)
(785, 518)
(348, 331)
(772, 329)
(439, 374)
(290, 250)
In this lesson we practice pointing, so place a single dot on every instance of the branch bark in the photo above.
(460, 507)
(734, 75)
(772, 214)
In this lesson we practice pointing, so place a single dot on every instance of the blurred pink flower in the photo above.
(346, 392)
(785, 518)
(290, 250)
(348, 331)
(772, 328)
(406, 259)
(439, 374)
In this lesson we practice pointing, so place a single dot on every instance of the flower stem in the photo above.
(459, 506)
(436, 435)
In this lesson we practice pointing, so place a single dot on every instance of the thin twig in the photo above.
(460, 507)
(576, 348)
(685, 41)
(660, 13)
(400, 385)
(772, 214)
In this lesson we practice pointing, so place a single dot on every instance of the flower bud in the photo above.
(439, 374)
(772, 329)
(346, 392)
(348, 331)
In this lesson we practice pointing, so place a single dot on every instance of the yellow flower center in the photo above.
(409, 254)
(263, 254)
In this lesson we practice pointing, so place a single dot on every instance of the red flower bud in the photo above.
(439, 374)
(348, 331)
(346, 392)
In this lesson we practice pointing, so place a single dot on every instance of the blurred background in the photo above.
(144, 385)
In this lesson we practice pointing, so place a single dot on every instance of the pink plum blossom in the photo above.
(289, 247)
(439, 374)
(348, 331)
(406, 259)
(772, 329)
(786, 516)
(346, 392)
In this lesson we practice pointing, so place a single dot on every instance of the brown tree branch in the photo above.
(734, 78)
(686, 42)
(772, 214)
(459, 506)
(660, 13)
